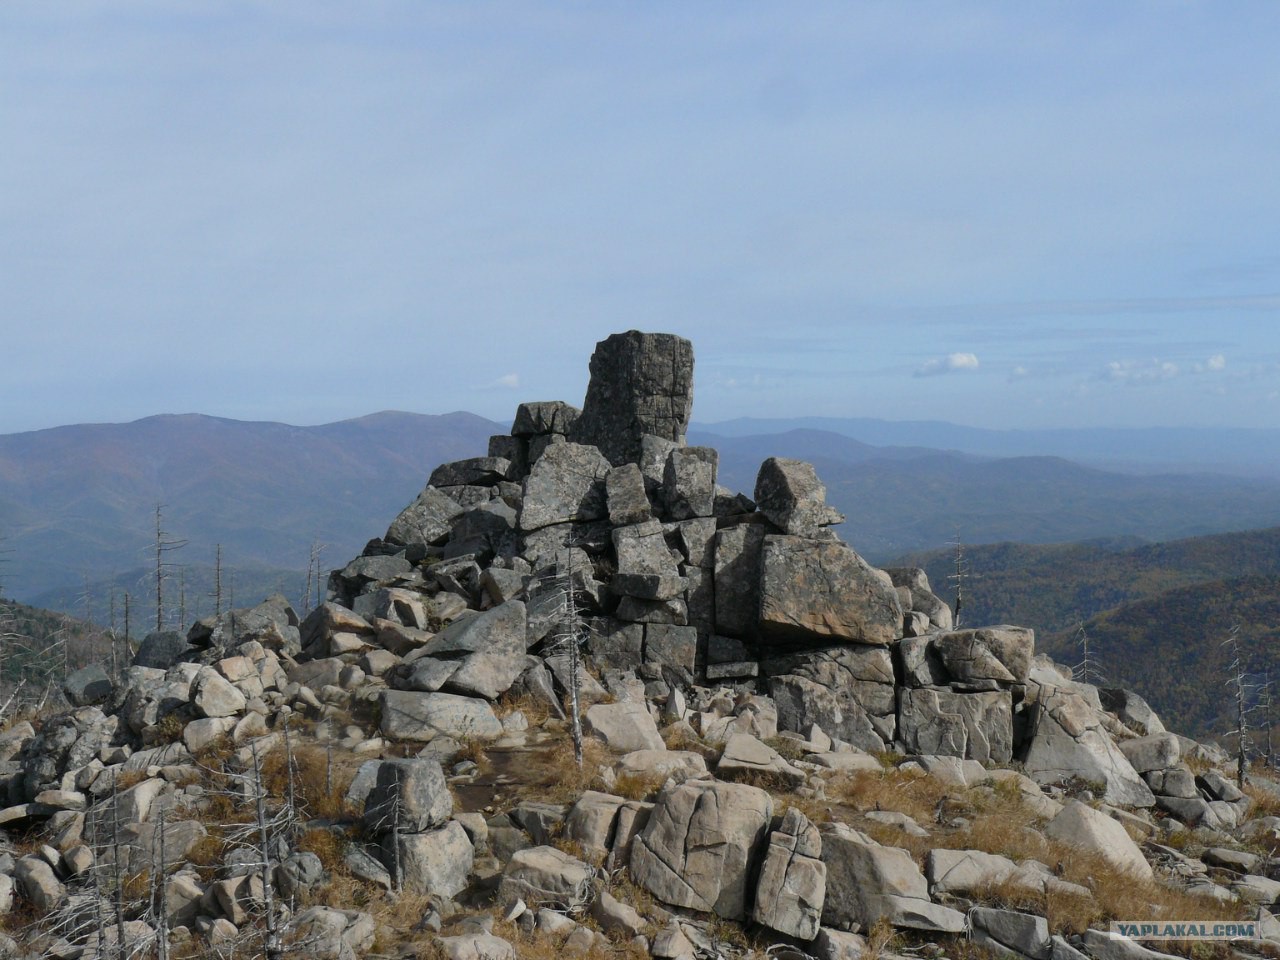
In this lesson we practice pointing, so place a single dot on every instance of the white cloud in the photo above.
(1217, 362)
(509, 381)
(951, 363)
(1140, 371)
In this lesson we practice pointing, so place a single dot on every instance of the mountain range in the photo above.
(78, 503)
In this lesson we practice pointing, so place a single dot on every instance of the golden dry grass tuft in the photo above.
(328, 845)
(879, 939)
(535, 711)
(638, 786)
(321, 775)
(550, 773)
(1263, 802)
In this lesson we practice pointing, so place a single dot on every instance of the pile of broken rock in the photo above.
(736, 653)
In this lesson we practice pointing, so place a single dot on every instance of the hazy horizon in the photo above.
(1009, 217)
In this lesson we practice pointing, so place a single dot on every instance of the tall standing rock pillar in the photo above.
(641, 383)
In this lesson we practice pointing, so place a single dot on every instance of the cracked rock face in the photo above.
(1071, 741)
(699, 845)
(793, 879)
(641, 384)
(814, 591)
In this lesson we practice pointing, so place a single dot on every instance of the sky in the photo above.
(1005, 215)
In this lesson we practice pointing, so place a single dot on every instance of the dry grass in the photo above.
(879, 938)
(1263, 802)
(168, 729)
(321, 776)
(542, 946)
(638, 786)
(550, 773)
(914, 794)
(535, 711)
(684, 738)
(787, 747)
(207, 854)
(325, 844)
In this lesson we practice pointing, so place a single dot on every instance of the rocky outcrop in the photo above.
(788, 672)
(641, 385)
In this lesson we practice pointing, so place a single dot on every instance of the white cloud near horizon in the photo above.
(951, 363)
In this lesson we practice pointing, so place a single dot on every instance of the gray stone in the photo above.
(426, 521)
(746, 758)
(565, 485)
(1103, 946)
(330, 934)
(484, 532)
(636, 610)
(789, 493)
(641, 383)
(423, 716)
(1157, 751)
(410, 795)
(689, 482)
(591, 821)
(436, 862)
(544, 417)
(646, 567)
(1023, 933)
(476, 946)
(38, 883)
(161, 650)
(478, 471)
(974, 726)
(737, 579)
(88, 685)
(1069, 740)
(492, 644)
(1131, 710)
(623, 726)
(625, 492)
(544, 875)
(213, 696)
(1080, 826)
(866, 881)
(822, 592)
(965, 872)
(1000, 653)
(616, 645)
(802, 702)
(672, 645)
(793, 879)
(700, 844)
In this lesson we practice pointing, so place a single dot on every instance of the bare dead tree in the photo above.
(1266, 706)
(217, 580)
(1238, 684)
(568, 639)
(958, 577)
(164, 545)
(313, 576)
(1087, 670)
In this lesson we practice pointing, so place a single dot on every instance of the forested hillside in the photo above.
(1172, 649)
(1053, 587)
(1156, 614)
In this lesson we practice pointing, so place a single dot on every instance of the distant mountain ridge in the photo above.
(1230, 450)
(77, 503)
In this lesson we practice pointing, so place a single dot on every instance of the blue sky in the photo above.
(1006, 215)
